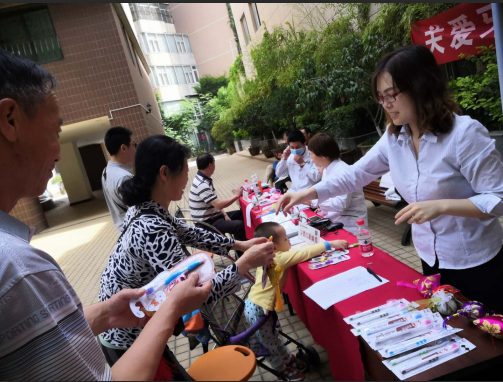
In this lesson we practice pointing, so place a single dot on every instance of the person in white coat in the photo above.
(297, 164)
(347, 208)
(444, 165)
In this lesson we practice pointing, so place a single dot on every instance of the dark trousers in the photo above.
(235, 226)
(169, 369)
(483, 283)
(281, 185)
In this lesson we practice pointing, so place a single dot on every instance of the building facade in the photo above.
(103, 81)
(211, 36)
(252, 18)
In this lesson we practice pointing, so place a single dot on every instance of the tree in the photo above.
(179, 125)
(211, 85)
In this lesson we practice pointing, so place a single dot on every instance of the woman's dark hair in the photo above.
(151, 154)
(416, 73)
(324, 145)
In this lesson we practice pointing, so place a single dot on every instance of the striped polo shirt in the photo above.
(44, 334)
(202, 193)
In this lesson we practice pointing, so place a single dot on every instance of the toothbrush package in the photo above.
(158, 289)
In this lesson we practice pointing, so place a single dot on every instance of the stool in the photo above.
(227, 363)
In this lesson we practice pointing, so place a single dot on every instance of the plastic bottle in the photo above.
(255, 186)
(295, 215)
(364, 239)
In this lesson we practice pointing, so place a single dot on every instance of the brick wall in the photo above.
(94, 77)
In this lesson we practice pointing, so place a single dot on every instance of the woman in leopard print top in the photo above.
(151, 239)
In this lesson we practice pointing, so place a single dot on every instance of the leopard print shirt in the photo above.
(151, 245)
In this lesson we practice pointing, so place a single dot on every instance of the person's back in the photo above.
(122, 149)
(113, 175)
(346, 209)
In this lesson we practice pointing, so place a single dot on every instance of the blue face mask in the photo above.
(299, 152)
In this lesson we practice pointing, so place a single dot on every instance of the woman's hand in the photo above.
(420, 212)
(291, 199)
(246, 245)
(257, 256)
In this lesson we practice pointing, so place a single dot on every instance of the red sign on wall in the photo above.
(458, 30)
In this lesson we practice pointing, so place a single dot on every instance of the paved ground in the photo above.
(82, 237)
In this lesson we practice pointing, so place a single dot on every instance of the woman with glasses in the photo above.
(444, 165)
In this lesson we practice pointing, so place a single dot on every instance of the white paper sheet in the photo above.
(297, 240)
(342, 286)
(248, 214)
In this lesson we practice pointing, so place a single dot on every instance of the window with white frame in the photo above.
(180, 44)
(173, 75)
(255, 16)
(153, 44)
(246, 31)
(189, 77)
(164, 43)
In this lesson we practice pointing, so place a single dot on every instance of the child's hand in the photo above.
(343, 244)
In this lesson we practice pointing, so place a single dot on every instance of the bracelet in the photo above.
(327, 246)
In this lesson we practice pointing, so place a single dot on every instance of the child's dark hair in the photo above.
(267, 230)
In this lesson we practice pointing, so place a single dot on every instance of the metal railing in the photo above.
(41, 50)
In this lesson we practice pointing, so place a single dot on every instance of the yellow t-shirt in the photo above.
(266, 298)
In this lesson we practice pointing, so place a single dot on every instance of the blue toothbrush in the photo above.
(175, 275)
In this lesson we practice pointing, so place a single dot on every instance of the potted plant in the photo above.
(368, 144)
(267, 147)
(255, 150)
(230, 148)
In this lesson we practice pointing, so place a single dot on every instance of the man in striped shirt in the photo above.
(45, 333)
(205, 204)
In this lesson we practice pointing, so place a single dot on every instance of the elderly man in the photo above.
(45, 334)
(297, 164)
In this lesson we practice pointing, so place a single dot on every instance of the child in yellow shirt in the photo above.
(261, 302)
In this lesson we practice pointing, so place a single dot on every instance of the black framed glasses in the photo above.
(390, 98)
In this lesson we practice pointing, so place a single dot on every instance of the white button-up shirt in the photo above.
(347, 208)
(463, 164)
(302, 177)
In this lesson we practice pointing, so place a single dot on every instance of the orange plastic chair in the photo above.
(227, 363)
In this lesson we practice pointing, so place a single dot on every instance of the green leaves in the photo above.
(480, 92)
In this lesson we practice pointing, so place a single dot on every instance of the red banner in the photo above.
(458, 30)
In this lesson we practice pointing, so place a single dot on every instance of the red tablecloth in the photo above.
(327, 326)
(254, 221)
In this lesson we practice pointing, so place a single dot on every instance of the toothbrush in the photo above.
(423, 351)
(174, 276)
(372, 311)
(426, 360)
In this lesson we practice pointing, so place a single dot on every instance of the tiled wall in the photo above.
(93, 78)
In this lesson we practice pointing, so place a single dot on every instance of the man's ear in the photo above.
(10, 119)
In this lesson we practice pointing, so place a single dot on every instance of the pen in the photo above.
(353, 245)
(426, 360)
(373, 274)
(175, 275)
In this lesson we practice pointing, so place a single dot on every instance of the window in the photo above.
(180, 75)
(198, 110)
(153, 44)
(143, 43)
(196, 74)
(187, 43)
(153, 77)
(151, 11)
(163, 76)
(246, 31)
(180, 44)
(189, 77)
(172, 75)
(171, 43)
(30, 33)
(255, 16)
(171, 107)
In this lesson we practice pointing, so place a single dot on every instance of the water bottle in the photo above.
(364, 239)
(295, 215)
